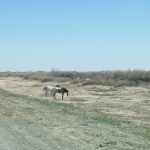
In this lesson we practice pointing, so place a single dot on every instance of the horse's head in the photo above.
(45, 88)
(66, 91)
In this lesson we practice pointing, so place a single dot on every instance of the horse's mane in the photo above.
(58, 85)
(65, 90)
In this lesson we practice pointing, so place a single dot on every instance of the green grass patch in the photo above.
(112, 143)
(107, 120)
(88, 114)
(66, 108)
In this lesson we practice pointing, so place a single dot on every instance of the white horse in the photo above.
(48, 89)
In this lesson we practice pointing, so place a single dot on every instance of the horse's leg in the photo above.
(55, 95)
(62, 96)
(46, 93)
(51, 92)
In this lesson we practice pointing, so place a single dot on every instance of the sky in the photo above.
(74, 35)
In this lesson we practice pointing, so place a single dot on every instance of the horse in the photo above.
(48, 88)
(55, 89)
(61, 90)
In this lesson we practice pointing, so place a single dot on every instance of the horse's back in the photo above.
(59, 86)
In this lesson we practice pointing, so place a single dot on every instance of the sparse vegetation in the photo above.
(113, 78)
(44, 117)
(101, 117)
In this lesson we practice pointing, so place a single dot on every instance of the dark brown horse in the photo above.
(61, 90)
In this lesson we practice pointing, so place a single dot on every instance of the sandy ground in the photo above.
(128, 102)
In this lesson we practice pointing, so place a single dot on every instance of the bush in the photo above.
(112, 78)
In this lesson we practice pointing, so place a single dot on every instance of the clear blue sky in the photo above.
(78, 35)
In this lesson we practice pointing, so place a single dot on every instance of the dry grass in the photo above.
(111, 78)
(35, 123)
(105, 117)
